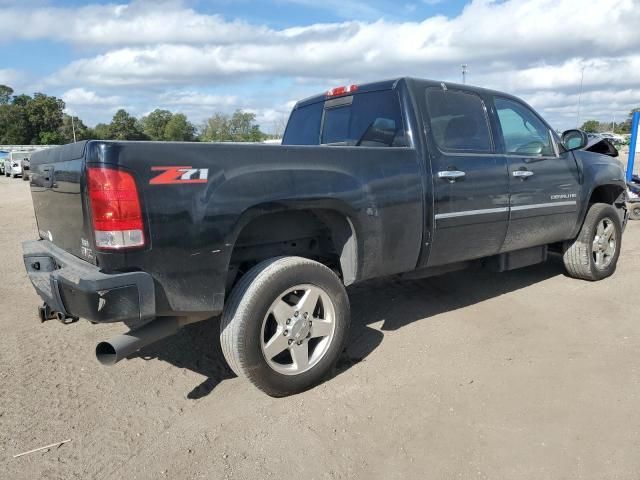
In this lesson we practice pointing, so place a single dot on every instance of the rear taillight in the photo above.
(115, 209)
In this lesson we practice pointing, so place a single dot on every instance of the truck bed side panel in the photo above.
(193, 226)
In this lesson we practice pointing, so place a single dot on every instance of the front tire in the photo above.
(285, 325)
(634, 210)
(593, 255)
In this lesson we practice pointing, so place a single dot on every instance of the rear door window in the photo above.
(458, 121)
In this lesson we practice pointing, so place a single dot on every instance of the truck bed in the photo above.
(193, 223)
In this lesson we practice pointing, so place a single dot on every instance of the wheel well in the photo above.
(606, 194)
(322, 235)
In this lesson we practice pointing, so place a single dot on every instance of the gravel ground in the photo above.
(526, 374)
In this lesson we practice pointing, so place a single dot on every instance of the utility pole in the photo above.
(464, 73)
(580, 97)
(73, 127)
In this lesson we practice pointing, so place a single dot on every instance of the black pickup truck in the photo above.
(405, 177)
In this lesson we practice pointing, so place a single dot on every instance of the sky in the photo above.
(201, 57)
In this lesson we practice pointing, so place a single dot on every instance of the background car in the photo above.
(613, 137)
(3, 156)
(13, 163)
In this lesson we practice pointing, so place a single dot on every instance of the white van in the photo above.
(13, 163)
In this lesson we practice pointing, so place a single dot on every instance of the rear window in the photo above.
(367, 119)
(458, 121)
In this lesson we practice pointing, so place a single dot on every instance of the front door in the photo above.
(470, 181)
(544, 179)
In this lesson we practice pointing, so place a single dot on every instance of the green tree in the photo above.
(255, 135)
(21, 100)
(178, 128)
(15, 128)
(50, 138)
(102, 131)
(155, 124)
(68, 125)
(5, 94)
(590, 126)
(240, 127)
(45, 117)
(125, 127)
(625, 127)
(216, 129)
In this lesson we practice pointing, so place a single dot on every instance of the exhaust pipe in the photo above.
(114, 350)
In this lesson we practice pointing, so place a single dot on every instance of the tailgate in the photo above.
(56, 189)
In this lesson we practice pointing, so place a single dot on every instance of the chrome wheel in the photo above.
(604, 243)
(298, 329)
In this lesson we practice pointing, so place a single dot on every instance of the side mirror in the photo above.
(574, 139)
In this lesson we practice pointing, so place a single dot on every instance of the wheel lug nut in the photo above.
(306, 314)
(296, 314)
(290, 342)
(285, 333)
(300, 342)
(288, 321)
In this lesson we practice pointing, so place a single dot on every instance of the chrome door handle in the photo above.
(522, 174)
(451, 175)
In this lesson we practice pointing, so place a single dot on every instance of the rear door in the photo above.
(470, 180)
(544, 179)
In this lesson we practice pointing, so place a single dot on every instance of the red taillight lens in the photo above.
(115, 209)
(336, 92)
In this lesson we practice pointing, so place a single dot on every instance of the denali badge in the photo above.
(560, 196)
(172, 175)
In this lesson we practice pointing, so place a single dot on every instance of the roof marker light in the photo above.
(344, 90)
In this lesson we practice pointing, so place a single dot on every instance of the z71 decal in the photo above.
(173, 175)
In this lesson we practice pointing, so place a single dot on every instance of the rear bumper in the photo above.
(78, 289)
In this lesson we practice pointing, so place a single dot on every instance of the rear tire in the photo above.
(285, 325)
(634, 210)
(593, 254)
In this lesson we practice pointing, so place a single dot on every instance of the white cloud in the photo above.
(198, 98)
(141, 22)
(9, 76)
(531, 48)
(81, 96)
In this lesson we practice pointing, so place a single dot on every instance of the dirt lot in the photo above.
(527, 374)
